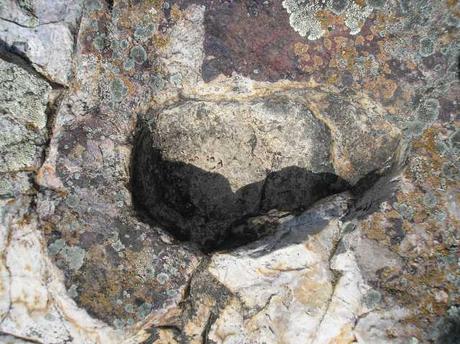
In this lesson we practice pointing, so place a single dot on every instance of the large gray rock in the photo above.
(41, 32)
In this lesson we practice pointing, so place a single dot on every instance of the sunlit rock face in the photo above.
(190, 171)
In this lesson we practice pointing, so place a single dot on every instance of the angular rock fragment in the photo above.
(23, 101)
(41, 32)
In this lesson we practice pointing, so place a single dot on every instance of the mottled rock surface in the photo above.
(23, 102)
(229, 171)
(202, 168)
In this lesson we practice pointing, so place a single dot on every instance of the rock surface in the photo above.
(203, 167)
(306, 154)
(41, 32)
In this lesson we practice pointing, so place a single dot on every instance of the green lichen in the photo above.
(73, 291)
(74, 256)
(440, 216)
(171, 292)
(372, 298)
(143, 32)
(404, 210)
(162, 278)
(138, 54)
(452, 20)
(23, 119)
(56, 247)
(118, 246)
(157, 83)
(93, 5)
(355, 17)
(451, 171)
(176, 79)
(128, 64)
(376, 3)
(338, 6)
(428, 111)
(118, 323)
(124, 44)
(72, 201)
(6, 188)
(99, 43)
(426, 47)
(454, 141)
(414, 128)
(129, 308)
(429, 200)
(118, 89)
(144, 310)
(302, 17)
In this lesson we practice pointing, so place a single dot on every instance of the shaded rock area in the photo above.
(203, 168)
(229, 171)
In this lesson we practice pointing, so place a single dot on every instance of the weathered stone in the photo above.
(375, 91)
(202, 167)
(23, 101)
(41, 32)
(289, 280)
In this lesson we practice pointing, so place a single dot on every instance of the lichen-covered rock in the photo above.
(364, 90)
(305, 16)
(23, 102)
(117, 267)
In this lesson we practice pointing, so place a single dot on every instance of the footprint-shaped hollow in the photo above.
(210, 171)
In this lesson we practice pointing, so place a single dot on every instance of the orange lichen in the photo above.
(157, 4)
(160, 41)
(318, 61)
(427, 143)
(381, 87)
(332, 79)
(176, 13)
(359, 40)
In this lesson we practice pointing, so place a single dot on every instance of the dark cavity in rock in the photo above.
(199, 206)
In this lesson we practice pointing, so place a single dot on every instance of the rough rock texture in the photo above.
(104, 103)
(41, 32)
(23, 119)
(203, 167)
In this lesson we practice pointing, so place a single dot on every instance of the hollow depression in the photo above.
(221, 174)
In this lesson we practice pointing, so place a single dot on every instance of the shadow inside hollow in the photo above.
(200, 206)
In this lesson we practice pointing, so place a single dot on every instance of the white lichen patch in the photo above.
(303, 15)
